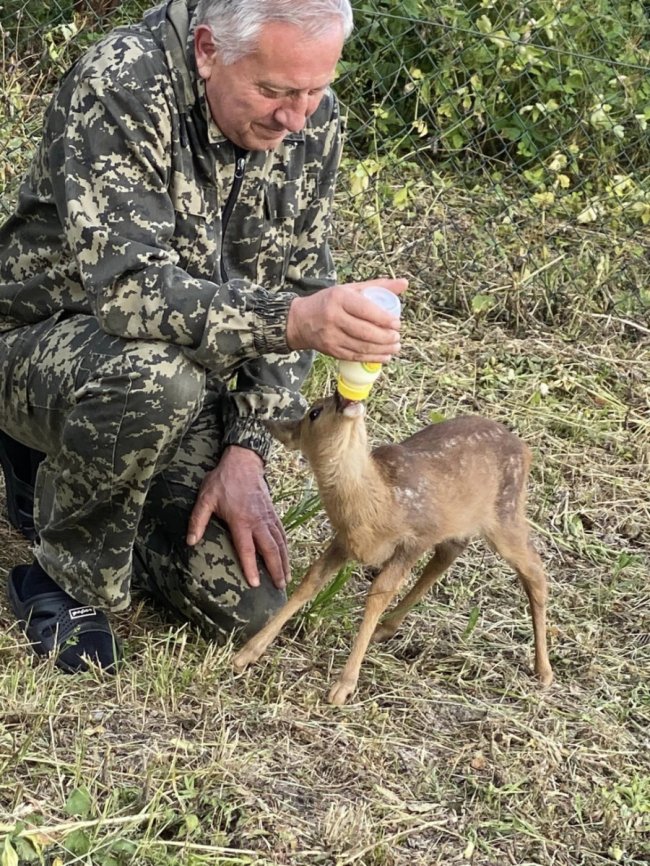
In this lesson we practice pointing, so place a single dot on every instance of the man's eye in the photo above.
(269, 93)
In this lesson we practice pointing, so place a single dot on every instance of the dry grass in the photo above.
(449, 753)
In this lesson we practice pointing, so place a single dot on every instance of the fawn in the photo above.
(438, 488)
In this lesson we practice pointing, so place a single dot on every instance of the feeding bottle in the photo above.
(356, 378)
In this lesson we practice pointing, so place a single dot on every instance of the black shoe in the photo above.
(19, 465)
(55, 623)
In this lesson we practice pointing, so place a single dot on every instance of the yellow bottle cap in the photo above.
(353, 392)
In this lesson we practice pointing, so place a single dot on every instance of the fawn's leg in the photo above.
(513, 545)
(445, 554)
(318, 573)
(380, 595)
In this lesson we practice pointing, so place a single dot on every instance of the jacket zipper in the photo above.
(240, 168)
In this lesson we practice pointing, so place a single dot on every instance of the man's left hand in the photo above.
(236, 492)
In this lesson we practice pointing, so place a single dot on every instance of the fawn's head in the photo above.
(331, 426)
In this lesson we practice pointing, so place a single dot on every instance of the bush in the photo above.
(503, 80)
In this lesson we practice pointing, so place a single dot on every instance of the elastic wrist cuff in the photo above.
(250, 433)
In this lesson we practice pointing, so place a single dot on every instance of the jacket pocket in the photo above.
(283, 205)
(197, 230)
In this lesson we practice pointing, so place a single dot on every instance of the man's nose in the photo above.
(294, 113)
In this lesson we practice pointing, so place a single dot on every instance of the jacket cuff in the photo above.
(271, 335)
(249, 433)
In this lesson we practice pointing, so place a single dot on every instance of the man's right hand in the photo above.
(340, 322)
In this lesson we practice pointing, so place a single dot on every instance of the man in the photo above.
(163, 281)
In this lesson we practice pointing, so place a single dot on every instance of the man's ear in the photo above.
(205, 51)
(287, 432)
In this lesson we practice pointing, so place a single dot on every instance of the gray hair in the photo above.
(236, 24)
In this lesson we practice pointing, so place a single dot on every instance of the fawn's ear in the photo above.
(287, 432)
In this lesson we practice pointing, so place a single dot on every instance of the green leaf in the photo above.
(77, 842)
(482, 303)
(27, 851)
(400, 197)
(191, 822)
(79, 803)
(124, 846)
(9, 856)
(483, 24)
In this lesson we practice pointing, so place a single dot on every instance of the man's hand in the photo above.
(340, 322)
(236, 492)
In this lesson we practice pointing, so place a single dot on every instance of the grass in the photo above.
(448, 753)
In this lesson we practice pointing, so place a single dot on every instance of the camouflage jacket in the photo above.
(127, 214)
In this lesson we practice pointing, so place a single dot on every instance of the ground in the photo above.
(449, 752)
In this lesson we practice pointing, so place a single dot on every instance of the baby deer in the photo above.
(438, 488)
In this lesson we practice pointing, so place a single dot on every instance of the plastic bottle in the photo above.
(356, 378)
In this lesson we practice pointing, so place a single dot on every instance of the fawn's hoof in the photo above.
(545, 677)
(383, 632)
(245, 657)
(341, 691)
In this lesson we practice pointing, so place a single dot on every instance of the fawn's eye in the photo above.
(313, 415)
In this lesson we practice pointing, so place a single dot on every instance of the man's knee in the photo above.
(231, 607)
(257, 606)
(204, 584)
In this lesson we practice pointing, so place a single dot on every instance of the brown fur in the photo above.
(435, 490)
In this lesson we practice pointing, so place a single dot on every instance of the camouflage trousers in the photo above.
(129, 430)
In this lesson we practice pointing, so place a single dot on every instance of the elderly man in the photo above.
(163, 281)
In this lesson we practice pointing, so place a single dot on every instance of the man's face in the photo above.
(271, 92)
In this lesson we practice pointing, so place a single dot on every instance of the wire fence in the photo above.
(497, 152)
